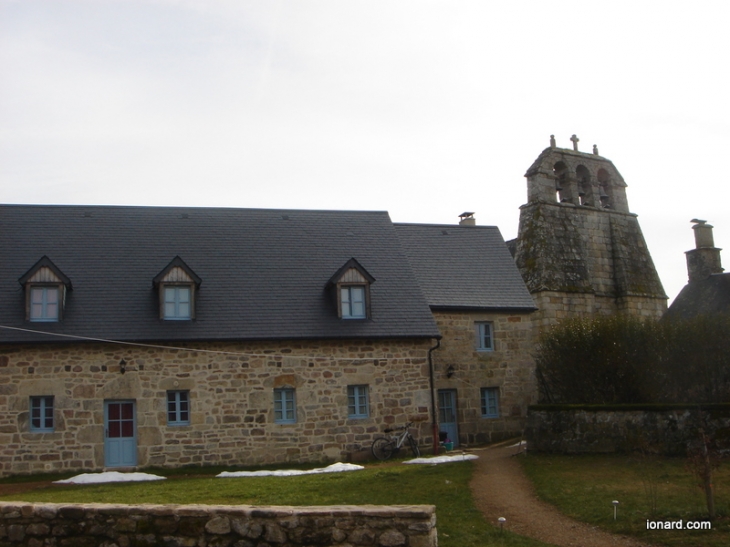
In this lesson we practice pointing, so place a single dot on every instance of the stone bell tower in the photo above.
(579, 249)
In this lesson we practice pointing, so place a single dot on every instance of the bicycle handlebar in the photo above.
(398, 428)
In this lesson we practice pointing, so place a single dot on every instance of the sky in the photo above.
(426, 109)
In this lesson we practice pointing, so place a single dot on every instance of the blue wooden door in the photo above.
(120, 428)
(447, 414)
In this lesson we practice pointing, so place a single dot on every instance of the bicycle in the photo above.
(384, 447)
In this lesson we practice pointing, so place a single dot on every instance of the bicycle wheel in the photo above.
(414, 446)
(383, 448)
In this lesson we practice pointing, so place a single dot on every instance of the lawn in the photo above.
(460, 524)
(646, 488)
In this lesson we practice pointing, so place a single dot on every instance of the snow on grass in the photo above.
(109, 476)
(334, 468)
(448, 458)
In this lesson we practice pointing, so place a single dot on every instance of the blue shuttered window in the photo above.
(357, 402)
(490, 402)
(284, 406)
(178, 408)
(41, 414)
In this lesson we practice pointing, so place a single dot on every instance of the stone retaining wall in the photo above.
(106, 525)
(667, 430)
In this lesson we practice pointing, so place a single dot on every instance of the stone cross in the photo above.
(575, 142)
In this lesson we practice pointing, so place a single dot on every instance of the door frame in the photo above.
(121, 452)
(452, 428)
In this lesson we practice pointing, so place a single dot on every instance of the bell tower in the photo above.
(579, 249)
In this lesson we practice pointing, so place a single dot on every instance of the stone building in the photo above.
(168, 336)
(579, 249)
(152, 336)
(708, 289)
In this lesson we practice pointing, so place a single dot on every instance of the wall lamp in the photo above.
(122, 366)
(450, 371)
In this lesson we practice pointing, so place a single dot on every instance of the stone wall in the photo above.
(565, 430)
(231, 390)
(582, 261)
(102, 525)
(509, 367)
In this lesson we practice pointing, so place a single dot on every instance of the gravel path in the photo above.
(501, 489)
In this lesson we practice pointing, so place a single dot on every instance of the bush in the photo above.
(623, 360)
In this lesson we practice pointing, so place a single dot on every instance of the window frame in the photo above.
(177, 410)
(489, 399)
(479, 332)
(45, 288)
(44, 404)
(177, 301)
(285, 405)
(348, 288)
(358, 401)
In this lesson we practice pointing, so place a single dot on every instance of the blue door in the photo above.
(447, 414)
(120, 434)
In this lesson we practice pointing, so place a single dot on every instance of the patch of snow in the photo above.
(444, 459)
(334, 468)
(109, 476)
(517, 444)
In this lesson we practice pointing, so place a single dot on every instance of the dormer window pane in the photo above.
(353, 302)
(177, 302)
(44, 304)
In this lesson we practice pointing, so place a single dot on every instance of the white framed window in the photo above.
(284, 406)
(485, 336)
(352, 300)
(490, 402)
(41, 414)
(44, 303)
(178, 408)
(357, 402)
(177, 302)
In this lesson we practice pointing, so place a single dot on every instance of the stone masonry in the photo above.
(105, 525)
(231, 390)
(579, 249)
(509, 367)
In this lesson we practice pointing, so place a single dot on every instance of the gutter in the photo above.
(434, 421)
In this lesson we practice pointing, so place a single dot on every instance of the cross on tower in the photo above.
(575, 142)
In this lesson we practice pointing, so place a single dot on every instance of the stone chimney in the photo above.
(467, 219)
(704, 259)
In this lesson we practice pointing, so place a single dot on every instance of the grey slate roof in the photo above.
(464, 267)
(263, 272)
(702, 297)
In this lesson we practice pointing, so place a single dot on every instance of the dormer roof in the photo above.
(45, 271)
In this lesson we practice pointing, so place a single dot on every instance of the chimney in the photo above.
(704, 260)
(467, 219)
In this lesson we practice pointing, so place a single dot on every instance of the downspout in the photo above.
(434, 421)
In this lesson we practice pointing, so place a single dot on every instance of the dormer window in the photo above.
(45, 291)
(351, 284)
(177, 285)
(177, 302)
(352, 301)
(44, 303)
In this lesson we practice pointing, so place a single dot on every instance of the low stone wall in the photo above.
(107, 525)
(572, 429)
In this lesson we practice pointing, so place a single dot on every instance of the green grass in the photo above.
(583, 487)
(460, 524)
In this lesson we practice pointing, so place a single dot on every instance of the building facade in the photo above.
(165, 336)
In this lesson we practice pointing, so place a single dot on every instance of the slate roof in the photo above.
(702, 297)
(263, 272)
(464, 267)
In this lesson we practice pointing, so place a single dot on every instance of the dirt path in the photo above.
(501, 489)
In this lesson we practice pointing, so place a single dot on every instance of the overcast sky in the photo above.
(425, 109)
